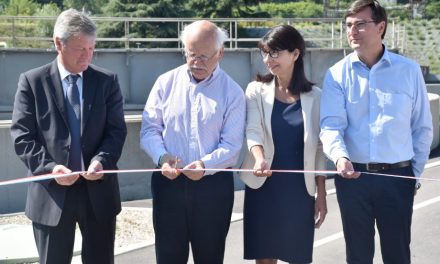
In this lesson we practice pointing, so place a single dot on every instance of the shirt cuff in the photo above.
(158, 160)
(343, 157)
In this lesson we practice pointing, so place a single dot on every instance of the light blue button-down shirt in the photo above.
(195, 121)
(376, 115)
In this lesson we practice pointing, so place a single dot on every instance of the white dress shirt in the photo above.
(194, 121)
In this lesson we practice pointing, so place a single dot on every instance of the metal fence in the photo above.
(36, 32)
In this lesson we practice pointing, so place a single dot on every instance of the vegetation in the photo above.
(291, 9)
(422, 37)
(140, 8)
(420, 24)
(432, 9)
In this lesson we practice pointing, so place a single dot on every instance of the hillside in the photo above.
(422, 42)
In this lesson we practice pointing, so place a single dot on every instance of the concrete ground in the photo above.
(329, 245)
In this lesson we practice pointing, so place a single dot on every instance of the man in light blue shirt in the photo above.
(194, 120)
(375, 118)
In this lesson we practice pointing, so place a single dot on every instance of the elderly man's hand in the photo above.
(196, 171)
(169, 166)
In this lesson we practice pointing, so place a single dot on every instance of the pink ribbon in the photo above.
(55, 176)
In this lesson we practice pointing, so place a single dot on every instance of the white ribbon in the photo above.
(325, 172)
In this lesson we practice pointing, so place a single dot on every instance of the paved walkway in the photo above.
(234, 244)
(329, 246)
(329, 234)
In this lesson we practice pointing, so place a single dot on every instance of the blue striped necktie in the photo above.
(74, 118)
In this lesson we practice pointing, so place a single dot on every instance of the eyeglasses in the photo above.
(360, 25)
(274, 54)
(193, 57)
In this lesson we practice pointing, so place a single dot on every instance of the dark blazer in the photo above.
(41, 138)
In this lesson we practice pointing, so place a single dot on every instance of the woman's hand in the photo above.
(320, 210)
(261, 168)
(321, 201)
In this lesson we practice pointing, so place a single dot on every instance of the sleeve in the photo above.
(421, 125)
(254, 120)
(151, 140)
(320, 160)
(333, 118)
(231, 137)
(25, 133)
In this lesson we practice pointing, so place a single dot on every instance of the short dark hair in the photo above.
(378, 12)
(285, 37)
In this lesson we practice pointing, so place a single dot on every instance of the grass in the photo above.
(418, 39)
(422, 42)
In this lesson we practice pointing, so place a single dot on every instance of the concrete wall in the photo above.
(138, 69)
(434, 106)
(434, 99)
(12, 198)
(433, 88)
(132, 185)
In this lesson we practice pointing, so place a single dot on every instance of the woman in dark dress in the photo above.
(282, 130)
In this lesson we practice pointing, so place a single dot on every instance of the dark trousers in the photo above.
(191, 212)
(55, 244)
(381, 200)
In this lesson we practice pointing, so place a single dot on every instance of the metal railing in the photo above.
(36, 32)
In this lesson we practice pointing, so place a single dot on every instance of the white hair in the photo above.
(220, 38)
(72, 22)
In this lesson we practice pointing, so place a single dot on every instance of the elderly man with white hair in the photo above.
(194, 120)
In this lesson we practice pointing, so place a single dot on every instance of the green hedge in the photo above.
(292, 9)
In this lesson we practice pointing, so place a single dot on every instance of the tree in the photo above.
(142, 8)
(223, 8)
(94, 7)
(21, 8)
(293, 9)
(432, 9)
(3, 4)
(45, 27)
(48, 10)
(59, 3)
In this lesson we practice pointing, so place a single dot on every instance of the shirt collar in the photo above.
(385, 57)
(63, 72)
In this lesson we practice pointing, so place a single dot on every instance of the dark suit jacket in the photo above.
(41, 136)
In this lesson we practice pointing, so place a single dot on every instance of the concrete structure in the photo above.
(433, 88)
(434, 106)
(137, 71)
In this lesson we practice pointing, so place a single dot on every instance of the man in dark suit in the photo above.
(68, 117)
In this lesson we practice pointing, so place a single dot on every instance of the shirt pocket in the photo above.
(397, 107)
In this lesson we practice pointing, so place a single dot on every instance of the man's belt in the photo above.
(381, 166)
